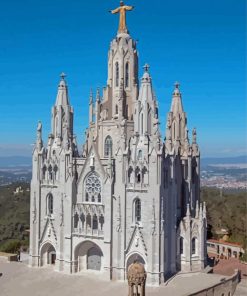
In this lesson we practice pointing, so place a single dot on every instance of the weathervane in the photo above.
(122, 16)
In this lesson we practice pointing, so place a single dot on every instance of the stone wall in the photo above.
(225, 288)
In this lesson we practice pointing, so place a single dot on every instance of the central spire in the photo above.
(122, 28)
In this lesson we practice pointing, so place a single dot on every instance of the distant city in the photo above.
(222, 173)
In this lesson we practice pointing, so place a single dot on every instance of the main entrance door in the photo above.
(94, 259)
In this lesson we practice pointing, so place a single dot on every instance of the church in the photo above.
(128, 194)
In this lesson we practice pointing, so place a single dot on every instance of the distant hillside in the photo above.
(226, 210)
(14, 213)
(15, 161)
(223, 160)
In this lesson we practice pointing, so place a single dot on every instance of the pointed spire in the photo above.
(197, 209)
(194, 136)
(176, 90)
(91, 97)
(188, 211)
(204, 214)
(62, 95)
(200, 212)
(91, 111)
(98, 95)
(39, 142)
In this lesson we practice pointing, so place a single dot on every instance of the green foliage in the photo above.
(11, 246)
(226, 210)
(244, 256)
(14, 213)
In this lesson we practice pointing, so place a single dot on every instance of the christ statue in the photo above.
(122, 19)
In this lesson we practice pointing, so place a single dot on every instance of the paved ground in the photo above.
(227, 267)
(20, 280)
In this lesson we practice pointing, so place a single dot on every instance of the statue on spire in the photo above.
(122, 18)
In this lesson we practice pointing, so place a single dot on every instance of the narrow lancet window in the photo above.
(137, 210)
(117, 73)
(127, 75)
(108, 146)
(49, 204)
(181, 245)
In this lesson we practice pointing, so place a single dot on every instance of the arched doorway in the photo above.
(88, 255)
(47, 254)
(134, 257)
(94, 258)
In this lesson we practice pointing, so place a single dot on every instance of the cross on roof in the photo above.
(62, 75)
(146, 67)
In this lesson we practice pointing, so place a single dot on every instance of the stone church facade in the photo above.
(129, 195)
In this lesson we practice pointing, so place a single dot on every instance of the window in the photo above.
(137, 210)
(193, 246)
(92, 188)
(50, 172)
(140, 154)
(99, 197)
(55, 172)
(76, 220)
(142, 123)
(49, 204)
(117, 73)
(116, 109)
(130, 175)
(138, 175)
(43, 172)
(88, 221)
(181, 242)
(127, 75)
(108, 146)
(95, 222)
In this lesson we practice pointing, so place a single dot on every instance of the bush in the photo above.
(11, 246)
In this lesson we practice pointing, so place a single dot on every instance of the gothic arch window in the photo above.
(95, 222)
(137, 210)
(108, 146)
(145, 175)
(55, 172)
(181, 243)
(116, 109)
(101, 221)
(174, 131)
(50, 173)
(92, 187)
(49, 204)
(193, 245)
(76, 220)
(130, 175)
(139, 154)
(99, 197)
(138, 175)
(127, 74)
(88, 222)
(117, 73)
(142, 123)
(44, 169)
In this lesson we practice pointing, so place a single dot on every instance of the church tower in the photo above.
(128, 196)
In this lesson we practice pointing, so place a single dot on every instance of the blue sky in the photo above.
(202, 44)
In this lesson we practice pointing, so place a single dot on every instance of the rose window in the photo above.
(93, 188)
